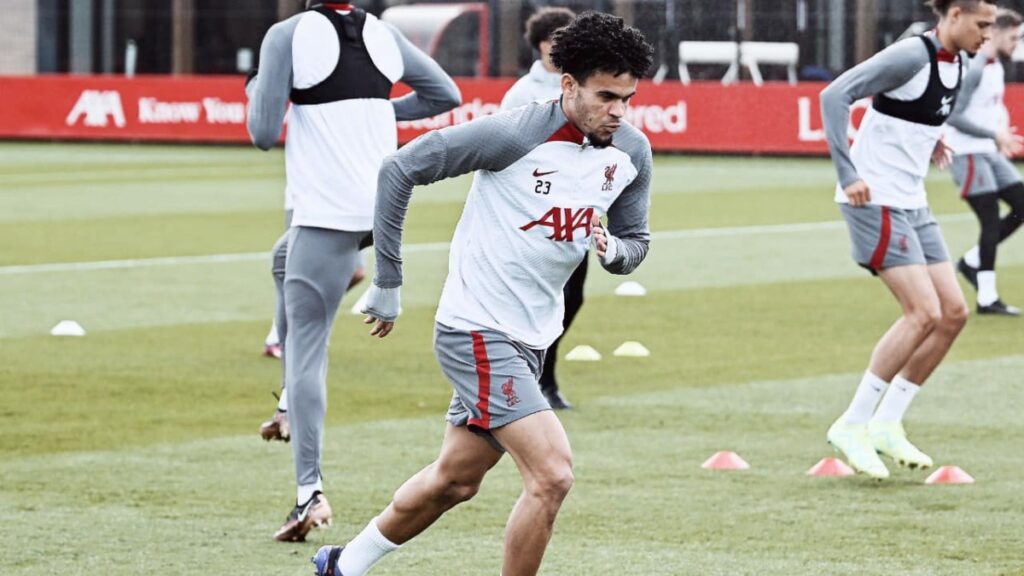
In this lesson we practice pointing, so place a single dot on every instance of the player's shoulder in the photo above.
(910, 48)
(532, 117)
(285, 29)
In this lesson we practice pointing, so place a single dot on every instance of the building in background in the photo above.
(223, 36)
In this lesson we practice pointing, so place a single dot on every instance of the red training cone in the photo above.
(725, 461)
(830, 467)
(949, 475)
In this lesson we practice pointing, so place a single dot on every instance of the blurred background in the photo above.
(468, 38)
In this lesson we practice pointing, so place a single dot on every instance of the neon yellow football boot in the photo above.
(890, 439)
(852, 441)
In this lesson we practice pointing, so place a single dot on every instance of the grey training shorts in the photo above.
(978, 174)
(495, 378)
(883, 237)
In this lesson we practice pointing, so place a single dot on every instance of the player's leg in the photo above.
(986, 208)
(453, 478)
(883, 240)
(277, 427)
(886, 427)
(974, 176)
(953, 317)
(540, 448)
(319, 265)
(573, 294)
(1013, 194)
(921, 312)
(1014, 197)
(273, 344)
(360, 272)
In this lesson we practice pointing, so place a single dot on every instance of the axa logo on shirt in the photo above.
(564, 222)
(98, 107)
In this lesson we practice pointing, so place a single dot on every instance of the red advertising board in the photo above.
(706, 117)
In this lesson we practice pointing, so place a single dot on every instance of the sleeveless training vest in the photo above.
(355, 76)
(934, 106)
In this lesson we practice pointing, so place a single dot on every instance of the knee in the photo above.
(454, 487)
(954, 316)
(458, 491)
(926, 317)
(553, 484)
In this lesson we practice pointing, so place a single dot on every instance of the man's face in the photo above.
(599, 104)
(971, 28)
(1006, 40)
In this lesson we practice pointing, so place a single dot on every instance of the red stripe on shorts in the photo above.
(966, 190)
(878, 258)
(483, 375)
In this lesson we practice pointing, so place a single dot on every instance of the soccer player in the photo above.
(519, 239)
(893, 233)
(982, 140)
(336, 64)
(544, 82)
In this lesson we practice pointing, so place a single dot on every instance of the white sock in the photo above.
(365, 550)
(282, 401)
(973, 257)
(896, 401)
(272, 337)
(987, 288)
(865, 399)
(305, 491)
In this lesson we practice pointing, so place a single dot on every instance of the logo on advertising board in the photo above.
(98, 107)
(805, 131)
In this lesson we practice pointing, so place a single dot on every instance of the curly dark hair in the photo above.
(542, 25)
(597, 42)
(942, 6)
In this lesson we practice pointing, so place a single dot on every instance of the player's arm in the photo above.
(487, 143)
(268, 90)
(972, 79)
(434, 91)
(885, 71)
(624, 245)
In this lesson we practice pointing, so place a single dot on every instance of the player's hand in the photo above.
(1009, 142)
(604, 243)
(942, 155)
(858, 193)
(383, 305)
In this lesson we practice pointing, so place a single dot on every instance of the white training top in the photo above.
(984, 108)
(892, 155)
(334, 150)
(527, 221)
(536, 86)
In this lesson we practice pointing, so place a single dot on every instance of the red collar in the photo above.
(944, 55)
(567, 133)
(344, 6)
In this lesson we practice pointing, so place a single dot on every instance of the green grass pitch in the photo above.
(134, 450)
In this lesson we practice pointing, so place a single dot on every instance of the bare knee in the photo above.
(926, 317)
(954, 316)
(553, 484)
(453, 487)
